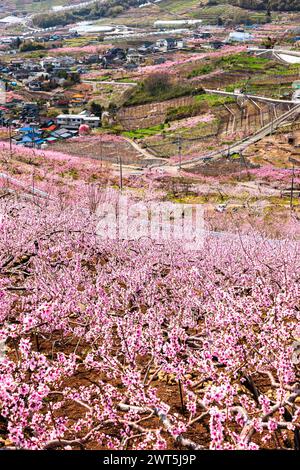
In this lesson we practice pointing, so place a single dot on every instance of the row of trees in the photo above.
(276, 5)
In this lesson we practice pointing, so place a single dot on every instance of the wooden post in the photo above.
(179, 143)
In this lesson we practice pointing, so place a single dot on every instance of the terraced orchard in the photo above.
(212, 358)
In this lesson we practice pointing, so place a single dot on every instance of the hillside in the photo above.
(93, 11)
(174, 7)
(149, 230)
(236, 11)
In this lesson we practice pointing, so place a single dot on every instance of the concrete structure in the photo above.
(172, 23)
(285, 56)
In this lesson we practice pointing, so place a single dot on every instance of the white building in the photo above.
(63, 61)
(74, 121)
(172, 23)
(296, 95)
(239, 36)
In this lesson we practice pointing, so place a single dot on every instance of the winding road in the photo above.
(243, 144)
(251, 97)
(285, 56)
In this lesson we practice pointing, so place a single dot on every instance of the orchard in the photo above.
(135, 344)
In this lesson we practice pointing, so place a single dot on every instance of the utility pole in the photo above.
(269, 10)
(292, 188)
(10, 138)
(33, 175)
(228, 152)
(297, 163)
(272, 122)
(121, 174)
(179, 145)
(101, 153)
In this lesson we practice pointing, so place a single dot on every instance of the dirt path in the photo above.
(143, 151)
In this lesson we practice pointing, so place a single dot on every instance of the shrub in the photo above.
(157, 83)
(181, 112)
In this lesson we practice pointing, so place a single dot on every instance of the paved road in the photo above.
(283, 55)
(251, 97)
(243, 144)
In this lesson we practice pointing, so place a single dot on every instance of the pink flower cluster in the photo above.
(192, 121)
(271, 173)
(106, 325)
(81, 49)
(170, 65)
(51, 171)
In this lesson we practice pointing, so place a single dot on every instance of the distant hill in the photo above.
(35, 5)
(275, 5)
(234, 11)
(93, 11)
(29, 6)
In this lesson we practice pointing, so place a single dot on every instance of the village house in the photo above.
(39, 135)
(92, 59)
(21, 74)
(115, 57)
(159, 60)
(60, 100)
(63, 133)
(239, 36)
(216, 44)
(58, 62)
(165, 45)
(78, 99)
(180, 44)
(21, 70)
(203, 35)
(169, 44)
(29, 136)
(35, 85)
(146, 48)
(30, 111)
(134, 57)
(74, 121)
